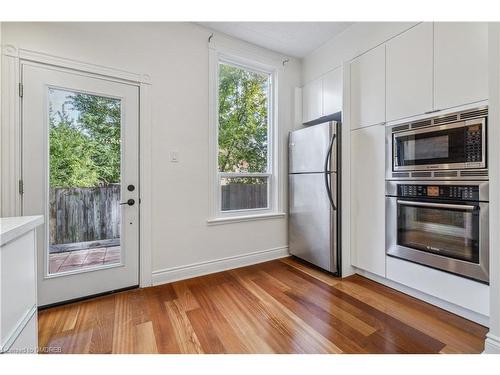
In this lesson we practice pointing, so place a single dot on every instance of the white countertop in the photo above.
(14, 227)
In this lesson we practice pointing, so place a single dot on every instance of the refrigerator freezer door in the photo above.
(308, 148)
(312, 223)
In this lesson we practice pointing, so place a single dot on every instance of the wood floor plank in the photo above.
(162, 326)
(426, 323)
(323, 298)
(145, 341)
(241, 320)
(322, 322)
(102, 334)
(206, 333)
(311, 271)
(232, 341)
(421, 306)
(281, 306)
(183, 330)
(123, 330)
(308, 340)
(392, 329)
(184, 296)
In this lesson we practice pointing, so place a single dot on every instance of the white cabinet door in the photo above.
(409, 73)
(460, 63)
(368, 199)
(332, 92)
(312, 100)
(368, 88)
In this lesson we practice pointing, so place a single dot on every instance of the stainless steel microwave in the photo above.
(451, 142)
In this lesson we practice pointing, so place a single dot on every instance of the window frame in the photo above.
(252, 63)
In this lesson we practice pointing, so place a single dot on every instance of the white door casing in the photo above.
(36, 80)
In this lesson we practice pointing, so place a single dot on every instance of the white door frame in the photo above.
(10, 137)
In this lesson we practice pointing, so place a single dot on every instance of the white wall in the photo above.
(175, 55)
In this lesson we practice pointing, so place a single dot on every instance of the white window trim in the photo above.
(274, 210)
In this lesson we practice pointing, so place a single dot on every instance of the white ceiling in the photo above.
(295, 39)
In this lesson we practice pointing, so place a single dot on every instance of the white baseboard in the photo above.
(445, 305)
(169, 275)
(491, 344)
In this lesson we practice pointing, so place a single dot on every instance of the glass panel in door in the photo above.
(448, 232)
(84, 181)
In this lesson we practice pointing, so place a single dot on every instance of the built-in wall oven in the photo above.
(437, 193)
(443, 225)
(453, 145)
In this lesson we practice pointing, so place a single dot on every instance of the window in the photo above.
(245, 182)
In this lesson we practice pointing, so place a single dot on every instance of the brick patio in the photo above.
(75, 260)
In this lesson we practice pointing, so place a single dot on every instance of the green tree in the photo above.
(243, 120)
(85, 147)
(70, 162)
(100, 120)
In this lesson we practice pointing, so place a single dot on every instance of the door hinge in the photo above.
(21, 187)
(21, 90)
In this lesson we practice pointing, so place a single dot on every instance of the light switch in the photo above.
(174, 157)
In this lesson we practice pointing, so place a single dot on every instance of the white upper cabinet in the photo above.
(368, 88)
(312, 100)
(323, 96)
(368, 199)
(409, 72)
(460, 63)
(332, 92)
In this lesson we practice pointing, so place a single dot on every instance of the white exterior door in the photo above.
(79, 162)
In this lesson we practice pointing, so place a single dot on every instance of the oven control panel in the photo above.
(455, 192)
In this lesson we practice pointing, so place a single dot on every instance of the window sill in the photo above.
(240, 219)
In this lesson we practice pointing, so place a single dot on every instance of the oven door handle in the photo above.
(438, 205)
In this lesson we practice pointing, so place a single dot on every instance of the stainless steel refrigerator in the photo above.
(313, 181)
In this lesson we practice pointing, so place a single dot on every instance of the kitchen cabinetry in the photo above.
(409, 73)
(332, 92)
(367, 95)
(466, 293)
(460, 63)
(18, 294)
(312, 100)
(368, 199)
(323, 96)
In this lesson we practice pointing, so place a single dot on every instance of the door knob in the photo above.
(130, 202)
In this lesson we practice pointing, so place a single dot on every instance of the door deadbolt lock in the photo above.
(130, 202)
(130, 187)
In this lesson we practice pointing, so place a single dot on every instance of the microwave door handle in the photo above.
(438, 205)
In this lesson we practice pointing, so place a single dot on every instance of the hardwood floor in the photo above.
(281, 306)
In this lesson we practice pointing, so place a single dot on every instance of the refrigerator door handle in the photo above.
(327, 174)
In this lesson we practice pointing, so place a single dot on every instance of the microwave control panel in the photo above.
(473, 143)
(455, 192)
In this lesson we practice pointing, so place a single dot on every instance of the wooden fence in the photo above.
(93, 214)
(244, 196)
(84, 214)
